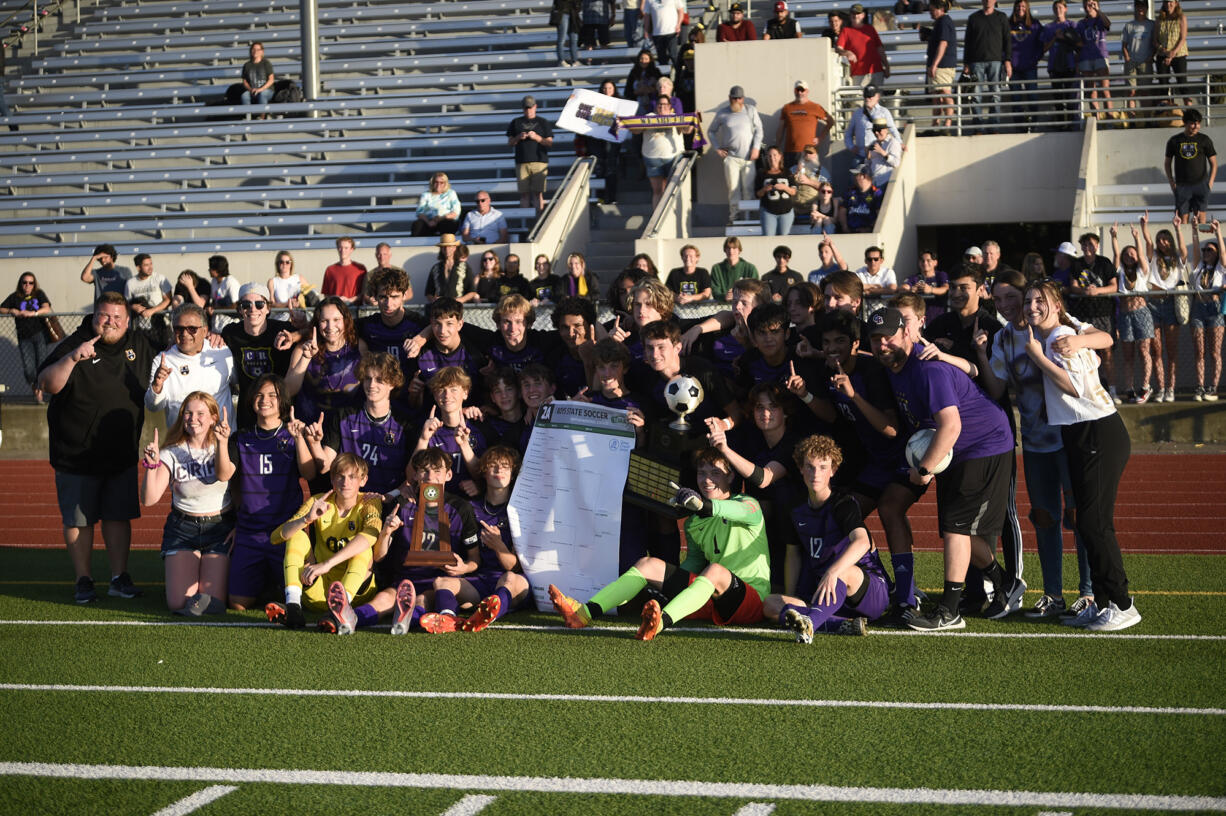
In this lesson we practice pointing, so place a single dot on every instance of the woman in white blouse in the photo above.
(1097, 445)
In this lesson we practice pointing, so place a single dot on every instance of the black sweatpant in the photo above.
(1097, 452)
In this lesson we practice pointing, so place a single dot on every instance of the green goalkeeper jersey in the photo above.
(733, 536)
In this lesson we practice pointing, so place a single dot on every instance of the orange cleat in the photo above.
(653, 621)
(436, 623)
(485, 614)
(573, 613)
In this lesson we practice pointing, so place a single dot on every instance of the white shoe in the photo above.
(1087, 615)
(1168, 395)
(1115, 397)
(1113, 619)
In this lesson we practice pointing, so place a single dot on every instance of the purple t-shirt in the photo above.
(1093, 33)
(924, 387)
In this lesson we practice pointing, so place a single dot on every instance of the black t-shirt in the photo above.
(775, 202)
(1191, 155)
(780, 283)
(943, 31)
(664, 442)
(530, 150)
(1100, 273)
(27, 327)
(684, 284)
(253, 358)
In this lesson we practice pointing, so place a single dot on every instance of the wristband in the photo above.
(757, 476)
(148, 466)
(807, 398)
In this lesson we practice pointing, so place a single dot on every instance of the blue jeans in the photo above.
(1047, 483)
(826, 228)
(776, 224)
(33, 351)
(564, 34)
(634, 28)
(985, 99)
(261, 97)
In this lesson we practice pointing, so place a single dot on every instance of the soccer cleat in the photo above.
(1046, 607)
(573, 613)
(940, 618)
(1084, 617)
(406, 599)
(436, 623)
(485, 614)
(652, 622)
(1113, 619)
(1007, 601)
(802, 625)
(326, 625)
(345, 618)
(85, 590)
(122, 587)
(853, 627)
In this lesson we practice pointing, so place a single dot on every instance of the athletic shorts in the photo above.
(85, 500)
(1136, 325)
(531, 177)
(484, 582)
(1205, 315)
(255, 566)
(206, 535)
(973, 496)
(749, 610)
(871, 481)
(1191, 198)
(1164, 311)
(873, 603)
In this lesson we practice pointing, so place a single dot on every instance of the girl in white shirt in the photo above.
(1167, 271)
(1097, 445)
(196, 539)
(1136, 321)
(1206, 321)
(285, 287)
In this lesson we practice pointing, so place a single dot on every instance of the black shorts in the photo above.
(1191, 198)
(973, 496)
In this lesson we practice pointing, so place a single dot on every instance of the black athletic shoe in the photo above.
(122, 587)
(85, 590)
(940, 618)
(1007, 601)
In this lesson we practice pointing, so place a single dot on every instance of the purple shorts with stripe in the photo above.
(255, 565)
(484, 582)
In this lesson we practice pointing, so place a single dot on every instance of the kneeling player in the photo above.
(336, 530)
(724, 577)
(834, 565)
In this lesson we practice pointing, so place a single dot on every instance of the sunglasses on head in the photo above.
(248, 305)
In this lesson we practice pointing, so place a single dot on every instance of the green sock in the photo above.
(690, 600)
(627, 585)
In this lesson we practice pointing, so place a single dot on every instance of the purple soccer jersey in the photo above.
(924, 387)
(463, 537)
(330, 384)
(389, 339)
(621, 403)
(724, 352)
(569, 372)
(383, 443)
(824, 534)
(870, 382)
(265, 483)
(481, 437)
(494, 515)
(432, 360)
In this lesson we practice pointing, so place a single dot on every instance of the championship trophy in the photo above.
(683, 395)
(430, 542)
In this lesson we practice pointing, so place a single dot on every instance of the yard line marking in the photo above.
(756, 809)
(636, 787)
(1054, 813)
(471, 805)
(197, 800)
(629, 627)
(620, 698)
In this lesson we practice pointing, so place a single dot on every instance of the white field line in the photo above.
(609, 626)
(619, 698)
(470, 805)
(197, 800)
(635, 787)
(756, 809)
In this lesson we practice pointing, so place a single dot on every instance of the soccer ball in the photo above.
(917, 446)
(683, 394)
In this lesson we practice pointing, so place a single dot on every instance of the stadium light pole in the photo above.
(309, 26)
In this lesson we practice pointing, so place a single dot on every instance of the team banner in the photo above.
(638, 124)
(565, 510)
(595, 115)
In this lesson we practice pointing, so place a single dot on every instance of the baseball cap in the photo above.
(736, 7)
(857, 9)
(871, 90)
(800, 83)
(252, 289)
(781, 6)
(736, 92)
(1068, 249)
(528, 102)
(973, 250)
(884, 323)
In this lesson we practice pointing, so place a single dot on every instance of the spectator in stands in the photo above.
(942, 63)
(531, 136)
(859, 42)
(1171, 50)
(196, 466)
(189, 288)
(775, 189)
(641, 81)
(736, 134)
(661, 147)
(223, 291)
(97, 379)
(802, 123)
(258, 78)
(579, 280)
(987, 51)
(909, 7)
(859, 137)
(607, 154)
(148, 295)
(690, 282)
(438, 209)
(1027, 51)
(1033, 267)
(191, 365)
(484, 225)
(597, 16)
(826, 210)
(1191, 167)
(1206, 318)
(489, 279)
(1092, 58)
(1167, 271)
(861, 204)
(883, 155)
(347, 278)
(27, 305)
(1059, 41)
(781, 278)
(687, 79)
(1137, 49)
(383, 260)
(829, 260)
(4, 105)
(738, 28)
(1095, 276)
(1136, 321)
(449, 276)
(662, 23)
(930, 283)
(880, 280)
(783, 26)
(542, 285)
(992, 266)
(632, 21)
(565, 16)
(809, 177)
(285, 287)
(730, 270)
(513, 279)
(107, 277)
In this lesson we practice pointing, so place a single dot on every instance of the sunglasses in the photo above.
(27, 283)
(871, 259)
(248, 305)
(285, 262)
(488, 259)
(191, 330)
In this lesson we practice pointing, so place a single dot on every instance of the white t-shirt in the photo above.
(1216, 278)
(1168, 281)
(285, 288)
(1092, 400)
(152, 290)
(665, 15)
(210, 371)
(1142, 283)
(193, 481)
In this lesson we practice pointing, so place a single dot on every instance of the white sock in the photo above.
(293, 595)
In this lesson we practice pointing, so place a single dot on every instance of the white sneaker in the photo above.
(1113, 619)
(1168, 395)
(1211, 394)
(1115, 397)
(1087, 615)
(1046, 607)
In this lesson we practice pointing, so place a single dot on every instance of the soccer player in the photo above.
(448, 429)
(834, 565)
(575, 319)
(445, 347)
(336, 531)
(770, 360)
(387, 329)
(322, 374)
(724, 577)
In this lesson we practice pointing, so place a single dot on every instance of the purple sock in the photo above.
(367, 616)
(821, 613)
(505, 597)
(831, 625)
(444, 601)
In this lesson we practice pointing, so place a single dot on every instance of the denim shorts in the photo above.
(1097, 64)
(657, 168)
(1206, 315)
(205, 535)
(1136, 325)
(1164, 311)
